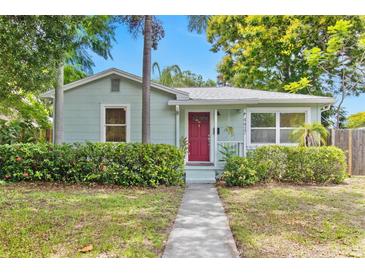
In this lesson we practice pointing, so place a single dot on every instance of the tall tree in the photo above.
(84, 33)
(34, 48)
(152, 31)
(27, 55)
(146, 85)
(267, 52)
(342, 61)
(279, 53)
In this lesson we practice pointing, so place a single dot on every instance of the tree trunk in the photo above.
(146, 115)
(58, 106)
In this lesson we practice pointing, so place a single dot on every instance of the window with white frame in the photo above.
(115, 124)
(274, 127)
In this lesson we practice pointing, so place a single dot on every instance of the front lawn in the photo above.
(59, 221)
(298, 221)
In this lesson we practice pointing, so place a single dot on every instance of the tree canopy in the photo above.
(301, 54)
(356, 120)
(341, 61)
(266, 52)
(32, 46)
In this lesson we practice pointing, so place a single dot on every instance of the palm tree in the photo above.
(168, 75)
(146, 81)
(198, 23)
(152, 31)
(314, 134)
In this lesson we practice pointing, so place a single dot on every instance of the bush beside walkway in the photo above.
(300, 165)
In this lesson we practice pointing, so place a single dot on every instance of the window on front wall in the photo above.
(274, 127)
(115, 124)
(289, 122)
(263, 127)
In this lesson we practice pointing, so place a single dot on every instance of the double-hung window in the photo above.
(115, 124)
(271, 126)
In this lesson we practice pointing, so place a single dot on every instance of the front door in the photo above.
(199, 136)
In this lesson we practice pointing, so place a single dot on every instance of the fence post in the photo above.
(350, 152)
(332, 136)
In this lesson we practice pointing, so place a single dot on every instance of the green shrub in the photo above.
(123, 164)
(271, 160)
(240, 171)
(315, 165)
(287, 164)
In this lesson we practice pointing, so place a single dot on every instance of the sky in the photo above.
(191, 51)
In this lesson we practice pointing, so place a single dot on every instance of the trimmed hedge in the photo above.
(299, 165)
(122, 164)
(240, 171)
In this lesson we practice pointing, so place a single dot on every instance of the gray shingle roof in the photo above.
(231, 93)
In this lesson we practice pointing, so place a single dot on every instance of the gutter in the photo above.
(249, 101)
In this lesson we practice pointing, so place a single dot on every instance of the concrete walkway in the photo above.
(201, 228)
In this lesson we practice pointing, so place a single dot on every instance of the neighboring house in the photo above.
(107, 107)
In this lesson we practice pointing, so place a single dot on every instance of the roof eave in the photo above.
(249, 101)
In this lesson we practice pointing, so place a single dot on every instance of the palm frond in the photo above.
(314, 134)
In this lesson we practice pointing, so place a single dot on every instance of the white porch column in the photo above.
(215, 137)
(244, 132)
(177, 126)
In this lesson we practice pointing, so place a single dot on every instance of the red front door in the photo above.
(199, 136)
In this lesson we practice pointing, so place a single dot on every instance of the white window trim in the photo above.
(103, 107)
(277, 111)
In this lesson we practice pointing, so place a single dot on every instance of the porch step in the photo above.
(200, 175)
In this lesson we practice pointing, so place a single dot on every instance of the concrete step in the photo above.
(200, 176)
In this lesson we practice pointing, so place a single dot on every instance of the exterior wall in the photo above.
(82, 111)
(229, 119)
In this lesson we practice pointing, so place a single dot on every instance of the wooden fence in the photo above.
(352, 142)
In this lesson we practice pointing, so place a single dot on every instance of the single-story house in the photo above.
(107, 107)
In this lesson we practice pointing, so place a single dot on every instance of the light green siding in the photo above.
(83, 110)
(230, 124)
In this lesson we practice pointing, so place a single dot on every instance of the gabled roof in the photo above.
(231, 95)
(120, 73)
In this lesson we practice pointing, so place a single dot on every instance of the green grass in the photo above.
(58, 220)
(298, 221)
